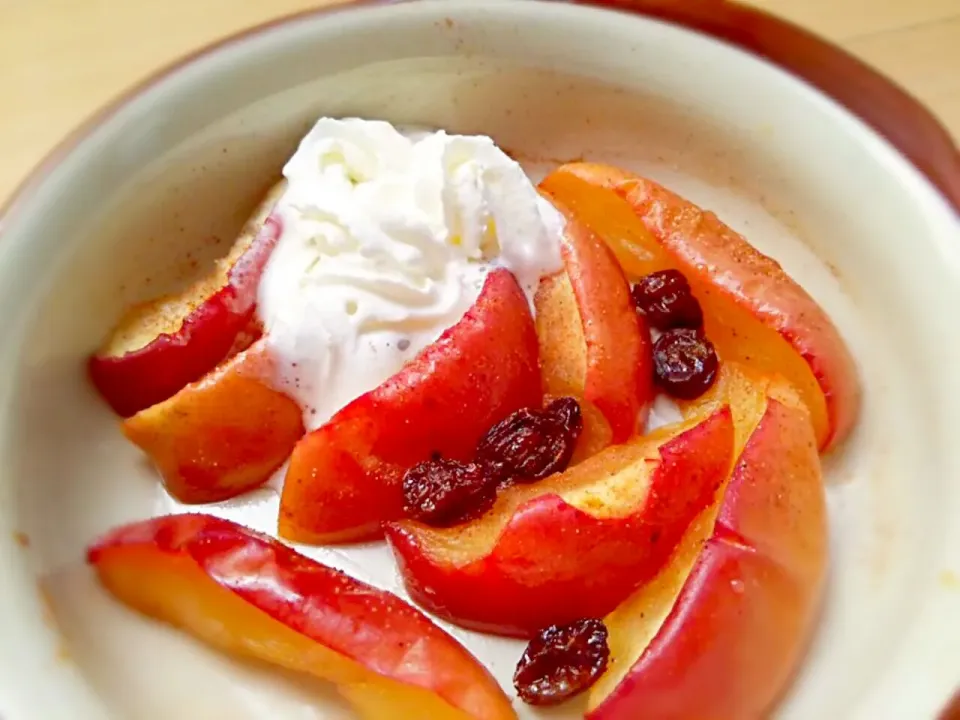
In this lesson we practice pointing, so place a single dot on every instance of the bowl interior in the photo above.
(160, 188)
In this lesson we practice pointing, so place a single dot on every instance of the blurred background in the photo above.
(60, 60)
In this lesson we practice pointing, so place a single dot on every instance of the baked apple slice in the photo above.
(222, 435)
(721, 629)
(574, 545)
(248, 594)
(754, 312)
(160, 346)
(345, 478)
(593, 344)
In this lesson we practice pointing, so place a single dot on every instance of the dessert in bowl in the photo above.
(458, 359)
(408, 314)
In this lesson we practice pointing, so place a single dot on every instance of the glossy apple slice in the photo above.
(574, 545)
(345, 478)
(722, 628)
(248, 594)
(754, 312)
(160, 346)
(222, 435)
(563, 360)
(593, 345)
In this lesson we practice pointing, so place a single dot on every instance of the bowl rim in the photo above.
(908, 125)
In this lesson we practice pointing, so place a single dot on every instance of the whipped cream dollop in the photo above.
(387, 240)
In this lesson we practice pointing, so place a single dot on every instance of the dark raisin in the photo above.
(444, 492)
(567, 411)
(685, 363)
(561, 661)
(530, 444)
(667, 301)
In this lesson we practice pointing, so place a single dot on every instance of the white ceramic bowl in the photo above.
(165, 176)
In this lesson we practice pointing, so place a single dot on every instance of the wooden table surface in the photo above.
(60, 60)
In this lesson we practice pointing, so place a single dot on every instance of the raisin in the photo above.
(531, 444)
(567, 411)
(561, 661)
(666, 300)
(685, 363)
(443, 492)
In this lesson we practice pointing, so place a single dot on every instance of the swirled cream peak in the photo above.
(387, 239)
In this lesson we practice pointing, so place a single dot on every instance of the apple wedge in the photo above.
(160, 346)
(248, 594)
(754, 312)
(563, 360)
(222, 435)
(593, 345)
(719, 632)
(574, 545)
(345, 478)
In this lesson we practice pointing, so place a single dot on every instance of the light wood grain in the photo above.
(60, 60)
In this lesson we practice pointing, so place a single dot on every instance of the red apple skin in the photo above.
(238, 589)
(344, 478)
(742, 620)
(754, 313)
(619, 356)
(133, 380)
(553, 562)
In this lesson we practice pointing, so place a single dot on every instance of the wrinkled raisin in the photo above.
(666, 300)
(567, 411)
(531, 444)
(444, 492)
(561, 661)
(685, 363)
